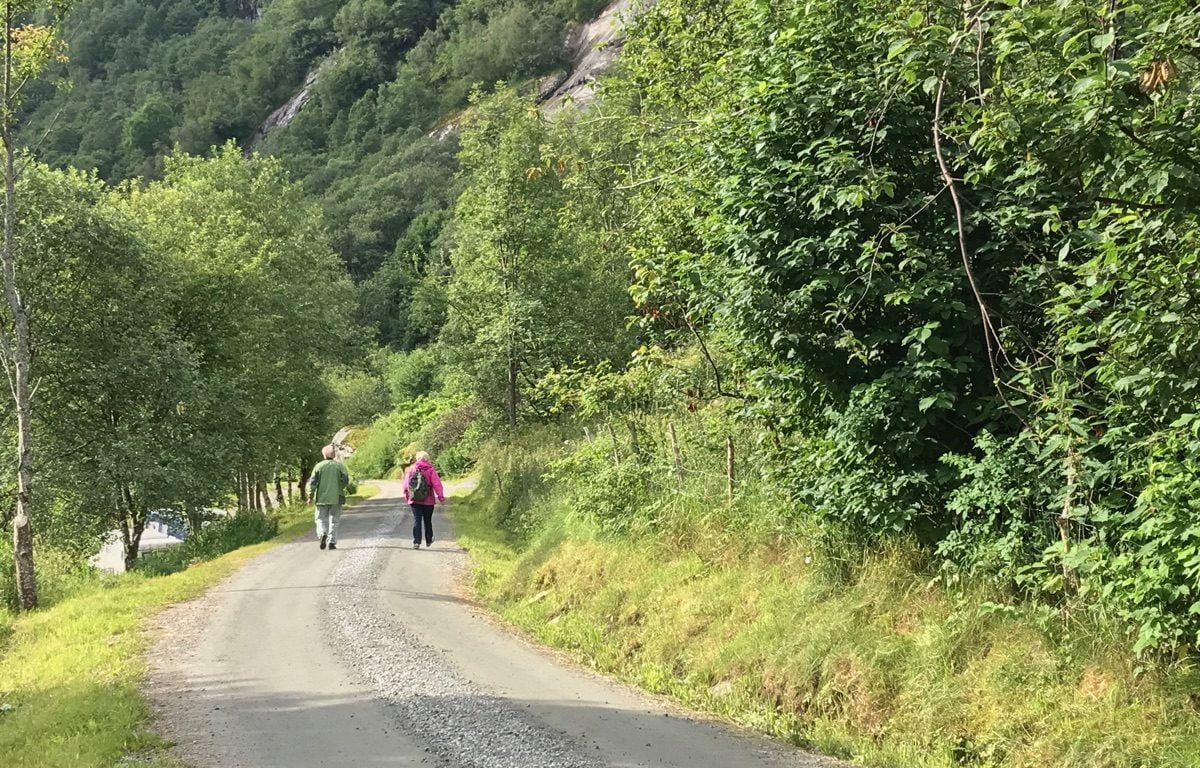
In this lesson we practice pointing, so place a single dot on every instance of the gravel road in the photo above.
(370, 656)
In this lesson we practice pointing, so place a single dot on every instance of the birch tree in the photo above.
(28, 48)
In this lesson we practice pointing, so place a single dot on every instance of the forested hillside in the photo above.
(149, 76)
(835, 368)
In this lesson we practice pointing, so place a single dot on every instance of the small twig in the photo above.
(991, 337)
(712, 363)
(651, 180)
(1133, 204)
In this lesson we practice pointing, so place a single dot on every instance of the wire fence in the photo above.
(682, 451)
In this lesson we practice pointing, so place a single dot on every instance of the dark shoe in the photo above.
(428, 544)
(333, 545)
(322, 541)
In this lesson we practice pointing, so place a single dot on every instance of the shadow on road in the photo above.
(628, 739)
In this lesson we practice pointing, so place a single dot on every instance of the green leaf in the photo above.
(898, 48)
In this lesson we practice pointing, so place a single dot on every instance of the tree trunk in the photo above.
(278, 492)
(195, 520)
(133, 543)
(305, 470)
(133, 524)
(17, 348)
(264, 498)
(512, 392)
(243, 501)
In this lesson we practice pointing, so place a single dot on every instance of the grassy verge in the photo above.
(871, 662)
(70, 674)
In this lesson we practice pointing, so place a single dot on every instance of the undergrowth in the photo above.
(859, 653)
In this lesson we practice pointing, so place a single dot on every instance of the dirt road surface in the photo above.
(370, 655)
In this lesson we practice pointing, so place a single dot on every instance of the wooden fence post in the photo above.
(613, 436)
(675, 450)
(729, 467)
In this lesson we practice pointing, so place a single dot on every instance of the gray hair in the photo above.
(421, 455)
(328, 451)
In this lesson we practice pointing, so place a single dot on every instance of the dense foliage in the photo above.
(941, 258)
(917, 270)
(177, 329)
(377, 76)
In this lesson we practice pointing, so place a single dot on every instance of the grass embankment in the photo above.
(70, 674)
(865, 657)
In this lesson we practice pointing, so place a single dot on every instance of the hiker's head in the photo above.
(328, 451)
(421, 456)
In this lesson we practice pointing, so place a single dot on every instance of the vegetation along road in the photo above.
(371, 656)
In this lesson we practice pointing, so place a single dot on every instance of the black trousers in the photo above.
(422, 513)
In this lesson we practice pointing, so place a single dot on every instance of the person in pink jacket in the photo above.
(421, 487)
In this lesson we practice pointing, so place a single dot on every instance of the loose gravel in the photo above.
(460, 725)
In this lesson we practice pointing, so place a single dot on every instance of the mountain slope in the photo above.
(344, 91)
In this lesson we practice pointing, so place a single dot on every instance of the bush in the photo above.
(379, 449)
(443, 439)
(214, 539)
(412, 375)
(358, 397)
(433, 424)
(60, 575)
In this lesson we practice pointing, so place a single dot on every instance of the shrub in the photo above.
(442, 437)
(358, 397)
(412, 375)
(214, 539)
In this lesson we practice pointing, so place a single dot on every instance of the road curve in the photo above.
(369, 656)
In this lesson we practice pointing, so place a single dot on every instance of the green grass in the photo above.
(870, 661)
(366, 490)
(71, 672)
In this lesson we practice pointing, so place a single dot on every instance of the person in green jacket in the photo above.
(327, 489)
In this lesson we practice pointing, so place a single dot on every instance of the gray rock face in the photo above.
(594, 47)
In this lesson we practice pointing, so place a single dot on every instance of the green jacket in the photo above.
(328, 483)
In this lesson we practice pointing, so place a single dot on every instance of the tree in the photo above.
(27, 51)
(260, 297)
(119, 391)
(527, 292)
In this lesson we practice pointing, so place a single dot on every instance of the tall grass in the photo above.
(861, 653)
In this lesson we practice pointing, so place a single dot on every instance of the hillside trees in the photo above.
(118, 387)
(178, 72)
(526, 294)
(180, 333)
(940, 258)
(261, 298)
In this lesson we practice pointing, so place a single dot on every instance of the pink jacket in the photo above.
(430, 474)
